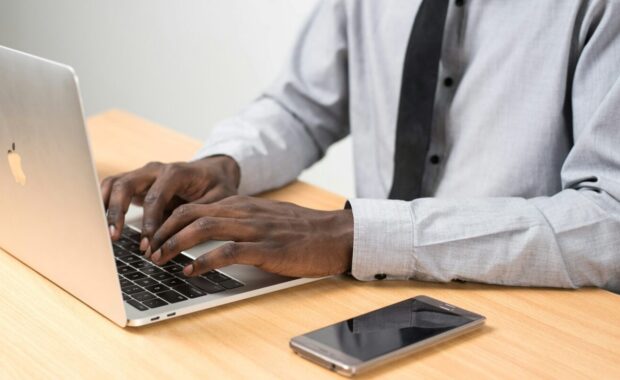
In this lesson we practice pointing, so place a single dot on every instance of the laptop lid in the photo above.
(51, 215)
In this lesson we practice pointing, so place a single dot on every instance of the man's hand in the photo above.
(159, 188)
(277, 237)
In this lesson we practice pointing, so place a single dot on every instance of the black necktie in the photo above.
(417, 96)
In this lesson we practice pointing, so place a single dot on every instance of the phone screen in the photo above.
(391, 328)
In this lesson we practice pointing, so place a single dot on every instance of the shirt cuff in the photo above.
(382, 239)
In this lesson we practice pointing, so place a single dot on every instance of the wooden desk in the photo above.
(530, 333)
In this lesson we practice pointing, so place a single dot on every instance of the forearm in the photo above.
(305, 110)
(268, 144)
(569, 240)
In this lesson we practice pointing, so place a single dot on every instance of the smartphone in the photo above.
(364, 342)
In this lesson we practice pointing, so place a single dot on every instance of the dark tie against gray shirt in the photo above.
(522, 178)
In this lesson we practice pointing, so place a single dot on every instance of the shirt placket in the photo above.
(450, 71)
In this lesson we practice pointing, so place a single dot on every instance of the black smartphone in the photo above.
(364, 342)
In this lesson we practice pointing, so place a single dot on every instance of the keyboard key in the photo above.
(156, 288)
(189, 291)
(173, 268)
(231, 284)
(129, 245)
(126, 297)
(162, 276)
(151, 270)
(123, 241)
(131, 289)
(141, 264)
(205, 285)
(173, 282)
(134, 248)
(143, 296)
(172, 296)
(137, 305)
(119, 251)
(155, 302)
(146, 282)
(130, 259)
(182, 260)
(125, 270)
(131, 234)
(135, 276)
(124, 282)
(215, 276)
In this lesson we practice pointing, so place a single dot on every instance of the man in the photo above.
(486, 147)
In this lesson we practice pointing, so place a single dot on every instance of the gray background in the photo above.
(183, 64)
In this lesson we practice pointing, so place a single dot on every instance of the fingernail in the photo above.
(112, 230)
(156, 256)
(144, 244)
(147, 253)
(188, 269)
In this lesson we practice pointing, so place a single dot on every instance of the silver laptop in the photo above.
(52, 218)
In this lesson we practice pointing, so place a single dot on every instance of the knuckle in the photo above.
(230, 252)
(172, 169)
(204, 224)
(200, 264)
(152, 197)
(156, 239)
(171, 244)
(153, 165)
(182, 210)
(148, 226)
(113, 213)
(107, 181)
(119, 185)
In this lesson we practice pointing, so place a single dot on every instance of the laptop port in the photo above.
(154, 319)
(171, 315)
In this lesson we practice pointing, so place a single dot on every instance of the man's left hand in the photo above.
(277, 237)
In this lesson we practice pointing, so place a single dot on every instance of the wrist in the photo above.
(228, 165)
(342, 230)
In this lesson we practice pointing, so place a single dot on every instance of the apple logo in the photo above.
(15, 163)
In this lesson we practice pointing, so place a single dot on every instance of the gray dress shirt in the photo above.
(522, 182)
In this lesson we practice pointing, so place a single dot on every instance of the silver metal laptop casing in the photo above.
(56, 223)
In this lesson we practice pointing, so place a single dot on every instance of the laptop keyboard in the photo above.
(148, 286)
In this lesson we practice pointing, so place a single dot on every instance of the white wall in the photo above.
(184, 64)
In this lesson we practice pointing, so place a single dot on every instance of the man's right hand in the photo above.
(160, 188)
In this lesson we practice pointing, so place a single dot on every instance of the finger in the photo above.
(181, 217)
(155, 203)
(186, 214)
(120, 196)
(225, 255)
(205, 229)
(106, 189)
(137, 200)
(122, 191)
(215, 194)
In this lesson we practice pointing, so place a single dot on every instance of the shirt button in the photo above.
(380, 276)
(459, 3)
(434, 159)
(448, 82)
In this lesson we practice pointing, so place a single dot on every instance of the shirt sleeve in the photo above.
(570, 239)
(292, 124)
